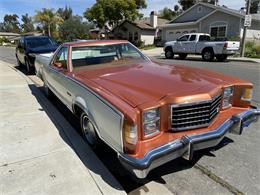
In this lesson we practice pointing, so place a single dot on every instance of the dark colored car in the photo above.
(28, 46)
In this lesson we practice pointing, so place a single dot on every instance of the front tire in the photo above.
(88, 131)
(168, 53)
(221, 58)
(28, 67)
(208, 55)
(18, 61)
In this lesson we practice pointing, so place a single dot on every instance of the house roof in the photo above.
(217, 8)
(144, 23)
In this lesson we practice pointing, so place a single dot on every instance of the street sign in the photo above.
(248, 20)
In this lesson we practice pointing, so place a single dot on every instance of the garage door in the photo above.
(172, 35)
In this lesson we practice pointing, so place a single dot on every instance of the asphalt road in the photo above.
(233, 167)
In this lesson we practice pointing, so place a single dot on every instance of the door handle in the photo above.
(69, 93)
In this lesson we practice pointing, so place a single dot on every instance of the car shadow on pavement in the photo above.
(106, 154)
(70, 136)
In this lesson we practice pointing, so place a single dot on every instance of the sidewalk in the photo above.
(40, 153)
(158, 52)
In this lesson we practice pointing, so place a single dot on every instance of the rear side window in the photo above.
(204, 38)
(192, 37)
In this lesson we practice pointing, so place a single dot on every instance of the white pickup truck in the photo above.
(200, 44)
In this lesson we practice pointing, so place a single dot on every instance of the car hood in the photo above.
(42, 49)
(148, 82)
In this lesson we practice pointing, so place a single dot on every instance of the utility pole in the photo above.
(243, 42)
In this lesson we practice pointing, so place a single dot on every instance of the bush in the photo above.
(252, 50)
(3, 40)
(138, 43)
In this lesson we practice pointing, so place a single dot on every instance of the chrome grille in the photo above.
(194, 115)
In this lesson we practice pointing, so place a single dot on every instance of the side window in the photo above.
(60, 60)
(192, 38)
(204, 38)
(184, 38)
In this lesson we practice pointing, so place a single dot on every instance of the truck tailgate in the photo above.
(233, 45)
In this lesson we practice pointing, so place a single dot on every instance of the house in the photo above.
(218, 21)
(142, 30)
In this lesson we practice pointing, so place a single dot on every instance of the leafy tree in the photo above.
(166, 13)
(27, 25)
(74, 28)
(65, 13)
(186, 4)
(114, 11)
(2, 27)
(176, 8)
(254, 6)
(11, 23)
(140, 4)
(48, 19)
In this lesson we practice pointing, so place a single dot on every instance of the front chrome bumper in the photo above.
(185, 146)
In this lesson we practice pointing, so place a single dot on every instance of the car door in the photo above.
(190, 45)
(57, 76)
(181, 44)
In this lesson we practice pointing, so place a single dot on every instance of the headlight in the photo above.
(227, 97)
(247, 94)
(151, 122)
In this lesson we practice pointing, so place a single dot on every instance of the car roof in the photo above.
(94, 42)
(31, 36)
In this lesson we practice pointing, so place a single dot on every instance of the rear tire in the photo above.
(88, 131)
(168, 53)
(221, 58)
(183, 56)
(208, 55)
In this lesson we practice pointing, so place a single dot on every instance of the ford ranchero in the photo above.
(149, 113)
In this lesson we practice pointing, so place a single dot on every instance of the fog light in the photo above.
(247, 95)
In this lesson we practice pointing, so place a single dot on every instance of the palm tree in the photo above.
(48, 18)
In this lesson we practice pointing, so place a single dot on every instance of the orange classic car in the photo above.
(149, 113)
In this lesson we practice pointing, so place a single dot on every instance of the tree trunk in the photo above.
(49, 30)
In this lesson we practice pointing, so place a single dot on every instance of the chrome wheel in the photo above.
(169, 54)
(88, 130)
(208, 55)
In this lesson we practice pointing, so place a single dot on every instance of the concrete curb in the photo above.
(102, 180)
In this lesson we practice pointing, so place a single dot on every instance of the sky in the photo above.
(21, 7)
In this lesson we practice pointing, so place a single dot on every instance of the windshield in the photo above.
(38, 42)
(113, 54)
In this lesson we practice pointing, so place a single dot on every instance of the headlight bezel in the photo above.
(227, 99)
(151, 117)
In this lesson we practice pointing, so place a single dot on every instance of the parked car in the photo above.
(29, 46)
(200, 44)
(149, 113)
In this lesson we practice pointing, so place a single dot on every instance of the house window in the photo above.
(199, 9)
(136, 36)
(218, 31)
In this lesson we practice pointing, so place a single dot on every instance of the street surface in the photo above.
(233, 167)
